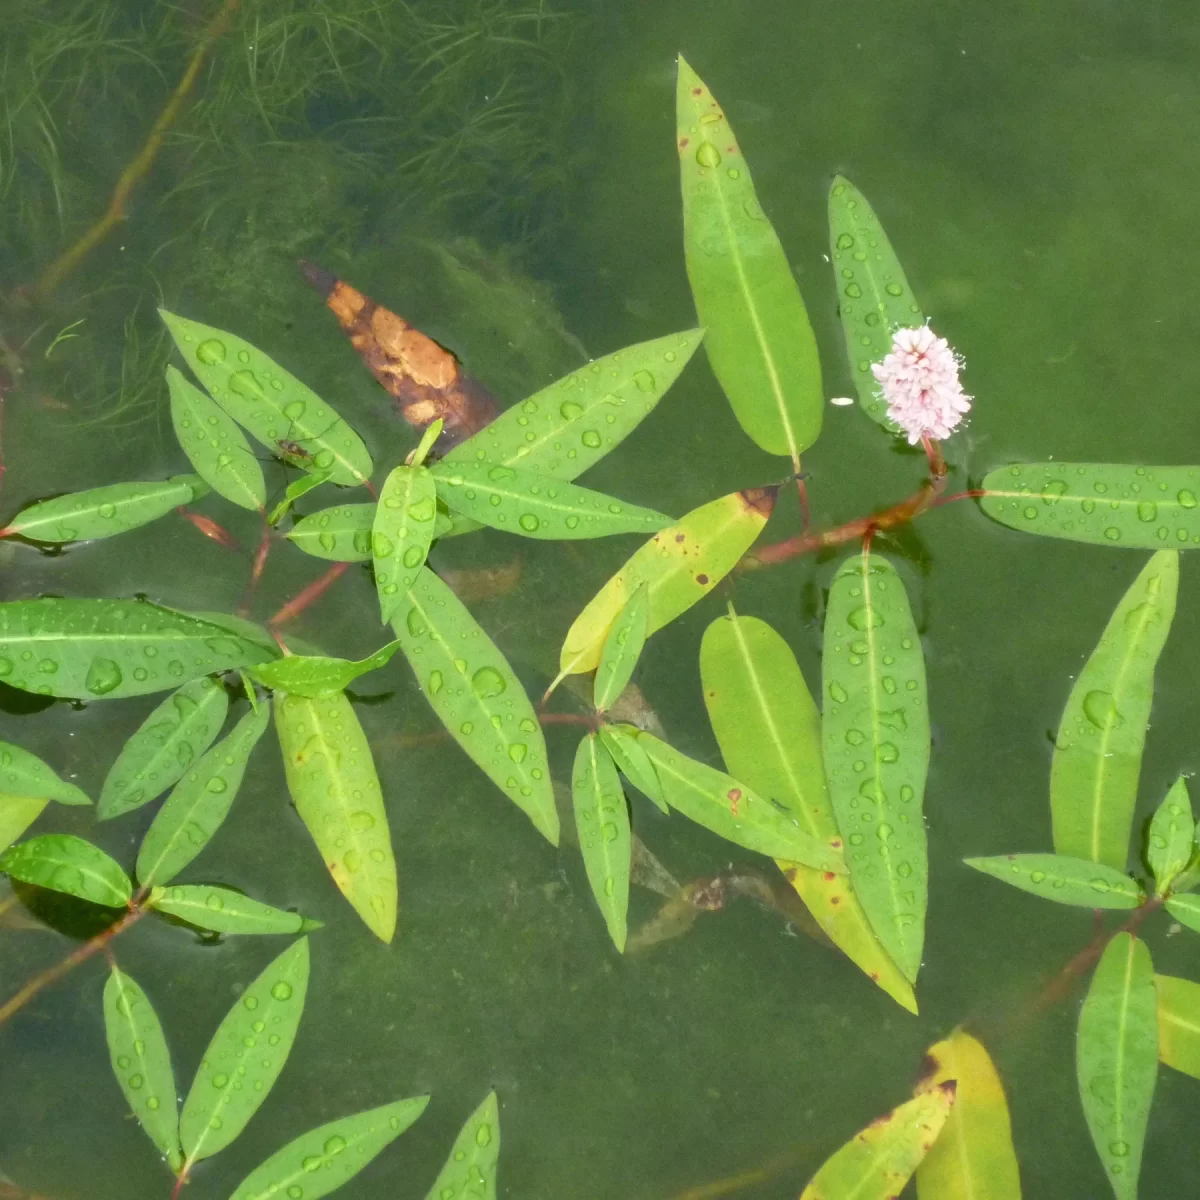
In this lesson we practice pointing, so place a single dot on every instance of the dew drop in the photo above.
(894, 289)
(837, 693)
(845, 241)
(417, 625)
(707, 155)
(864, 618)
(529, 522)
(211, 352)
(413, 557)
(1147, 511)
(517, 751)
(282, 990)
(103, 676)
(488, 682)
(591, 439)
(1101, 709)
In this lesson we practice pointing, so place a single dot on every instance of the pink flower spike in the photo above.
(919, 381)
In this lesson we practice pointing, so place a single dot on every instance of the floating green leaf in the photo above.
(877, 1162)
(401, 534)
(1172, 831)
(1075, 881)
(730, 809)
(165, 744)
(199, 803)
(757, 334)
(1185, 909)
(321, 1160)
(769, 731)
(622, 744)
(570, 425)
(104, 511)
(1116, 1058)
(225, 911)
(876, 731)
(332, 780)
(93, 649)
(1098, 751)
(874, 299)
(516, 500)
(678, 567)
(142, 1063)
(341, 533)
(65, 863)
(621, 650)
(294, 491)
(17, 813)
(1106, 504)
(244, 1057)
(1178, 1006)
(476, 695)
(469, 1172)
(605, 839)
(24, 774)
(315, 675)
(974, 1157)
(214, 444)
(271, 404)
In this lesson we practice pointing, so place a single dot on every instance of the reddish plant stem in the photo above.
(1087, 958)
(315, 590)
(43, 979)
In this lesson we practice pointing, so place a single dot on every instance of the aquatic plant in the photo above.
(833, 794)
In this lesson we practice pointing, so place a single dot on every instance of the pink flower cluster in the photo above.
(919, 381)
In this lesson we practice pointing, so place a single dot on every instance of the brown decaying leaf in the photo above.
(425, 379)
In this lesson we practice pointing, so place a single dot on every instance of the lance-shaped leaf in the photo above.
(321, 1160)
(1169, 841)
(401, 534)
(1116, 1058)
(104, 511)
(678, 566)
(24, 774)
(469, 1172)
(1106, 504)
(1186, 910)
(142, 1063)
(524, 502)
(1067, 880)
(621, 742)
(17, 813)
(1178, 1006)
(570, 425)
(271, 404)
(332, 780)
(244, 1057)
(65, 863)
(731, 810)
(215, 446)
(341, 533)
(621, 650)
(89, 649)
(874, 298)
(166, 743)
(878, 1161)
(876, 732)
(757, 333)
(602, 819)
(974, 1155)
(476, 695)
(1098, 751)
(199, 803)
(769, 731)
(225, 911)
(314, 675)
(294, 491)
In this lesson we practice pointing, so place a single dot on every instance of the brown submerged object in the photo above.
(425, 379)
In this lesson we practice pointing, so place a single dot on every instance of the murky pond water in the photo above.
(510, 185)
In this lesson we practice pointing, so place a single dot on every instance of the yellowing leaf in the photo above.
(769, 731)
(974, 1158)
(1178, 1023)
(878, 1162)
(679, 565)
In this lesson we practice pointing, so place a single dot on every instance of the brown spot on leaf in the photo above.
(790, 874)
(929, 1066)
(702, 580)
(760, 500)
